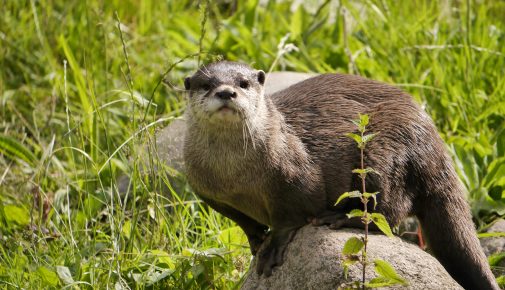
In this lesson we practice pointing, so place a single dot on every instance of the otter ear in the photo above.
(187, 84)
(261, 77)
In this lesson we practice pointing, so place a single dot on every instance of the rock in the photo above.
(277, 81)
(170, 143)
(167, 154)
(497, 244)
(312, 261)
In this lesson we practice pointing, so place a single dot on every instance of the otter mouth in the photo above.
(225, 113)
(225, 109)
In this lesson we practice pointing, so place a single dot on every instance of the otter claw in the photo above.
(271, 253)
(269, 258)
(255, 244)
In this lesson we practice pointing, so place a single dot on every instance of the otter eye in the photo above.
(244, 84)
(206, 87)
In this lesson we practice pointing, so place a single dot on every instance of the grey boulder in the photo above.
(312, 261)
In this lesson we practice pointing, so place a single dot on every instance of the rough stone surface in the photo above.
(277, 81)
(167, 154)
(494, 245)
(312, 262)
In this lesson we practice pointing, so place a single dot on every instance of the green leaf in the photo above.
(65, 275)
(350, 194)
(17, 215)
(384, 269)
(352, 246)
(151, 209)
(187, 252)
(356, 138)
(233, 238)
(501, 281)
(297, 22)
(363, 119)
(372, 195)
(364, 171)
(163, 259)
(49, 277)
(80, 82)
(13, 149)
(346, 270)
(491, 235)
(381, 222)
(155, 277)
(355, 213)
(349, 260)
(356, 123)
(380, 282)
(355, 194)
(368, 137)
(495, 259)
(495, 170)
(126, 229)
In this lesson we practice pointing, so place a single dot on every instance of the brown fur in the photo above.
(293, 161)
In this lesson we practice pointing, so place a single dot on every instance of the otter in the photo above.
(274, 163)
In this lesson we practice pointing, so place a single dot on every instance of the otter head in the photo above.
(225, 94)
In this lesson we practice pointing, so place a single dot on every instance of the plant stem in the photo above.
(365, 210)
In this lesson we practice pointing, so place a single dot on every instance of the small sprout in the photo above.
(386, 273)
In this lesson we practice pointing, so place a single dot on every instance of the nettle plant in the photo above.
(355, 248)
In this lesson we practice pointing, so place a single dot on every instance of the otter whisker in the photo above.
(205, 71)
(251, 135)
(244, 138)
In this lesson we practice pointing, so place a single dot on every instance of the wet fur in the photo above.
(293, 161)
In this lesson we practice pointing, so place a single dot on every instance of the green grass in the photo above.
(78, 98)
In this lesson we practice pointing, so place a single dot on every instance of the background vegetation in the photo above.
(81, 88)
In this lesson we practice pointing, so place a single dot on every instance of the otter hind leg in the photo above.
(271, 252)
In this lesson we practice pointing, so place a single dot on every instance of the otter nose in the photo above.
(226, 94)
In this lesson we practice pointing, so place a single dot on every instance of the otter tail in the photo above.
(448, 228)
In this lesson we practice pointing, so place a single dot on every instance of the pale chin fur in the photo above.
(209, 109)
(218, 114)
(250, 117)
